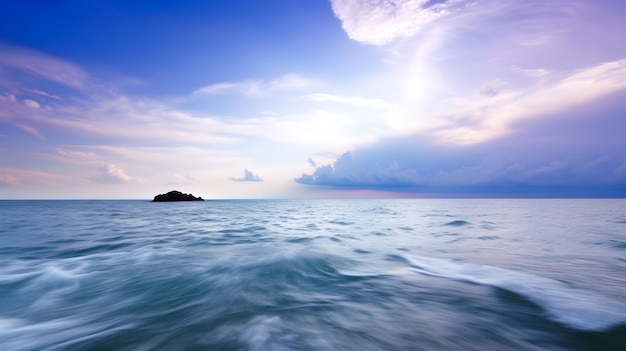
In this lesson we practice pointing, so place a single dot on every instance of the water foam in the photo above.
(258, 334)
(574, 307)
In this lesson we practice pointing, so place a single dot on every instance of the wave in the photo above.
(457, 223)
(577, 308)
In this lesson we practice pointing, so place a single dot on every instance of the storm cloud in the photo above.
(578, 152)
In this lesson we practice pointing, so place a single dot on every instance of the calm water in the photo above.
(313, 275)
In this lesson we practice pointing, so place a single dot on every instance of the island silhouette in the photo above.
(175, 195)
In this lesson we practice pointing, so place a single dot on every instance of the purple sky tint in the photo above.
(231, 99)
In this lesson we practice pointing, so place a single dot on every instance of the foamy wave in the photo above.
(577, 308)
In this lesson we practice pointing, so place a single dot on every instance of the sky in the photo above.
(312, 98)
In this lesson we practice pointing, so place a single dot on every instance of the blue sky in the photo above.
(312, 98)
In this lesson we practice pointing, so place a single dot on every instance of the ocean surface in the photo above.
(313, 275)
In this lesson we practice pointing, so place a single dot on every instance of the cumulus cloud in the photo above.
(248, 176)
(364, 170)
(576, 152)
(380, 22)
(110, 174)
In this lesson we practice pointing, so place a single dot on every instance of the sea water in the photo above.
(313, 275)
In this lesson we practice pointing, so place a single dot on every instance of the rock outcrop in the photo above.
(176, 195)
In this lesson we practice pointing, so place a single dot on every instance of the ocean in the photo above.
(497, 274)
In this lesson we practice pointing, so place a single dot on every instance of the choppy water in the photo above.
(313, 275)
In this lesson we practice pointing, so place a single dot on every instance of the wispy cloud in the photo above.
(533, 72)
(248, 176)
(117, 117)
(494, 114)
(353, 100)
(17, 177)
(43, 66)
(42, 93)
(258, 88)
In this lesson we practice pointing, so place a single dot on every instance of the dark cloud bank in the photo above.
(581, 153)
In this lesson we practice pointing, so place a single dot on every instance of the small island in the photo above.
(176, 195)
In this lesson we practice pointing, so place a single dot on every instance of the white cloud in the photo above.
(384, 21)
(258, 88)
(121, 117)
(31, 103)
(291, 81)
(248, 176)
(246, 87)
(353, 100)
(179, 157)
(533, 72)
(42, 93)
(110, 173)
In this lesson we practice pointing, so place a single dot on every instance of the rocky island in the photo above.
(176, 195)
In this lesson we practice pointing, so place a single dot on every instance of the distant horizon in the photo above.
(149, 199)
(310, 99)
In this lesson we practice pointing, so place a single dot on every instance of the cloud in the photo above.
(43, 66)
(42, 93)
(384, 21)
(257, 88)
(364, 171)
(8, 180)
(31, 103)
(354, 100)
(119, 117)
(30, 130)
(533, 72)
(493, 88)
(494, 114)
(110, 174)
(573, 152)
(7, 97)
(17, 177)
(248, 176)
